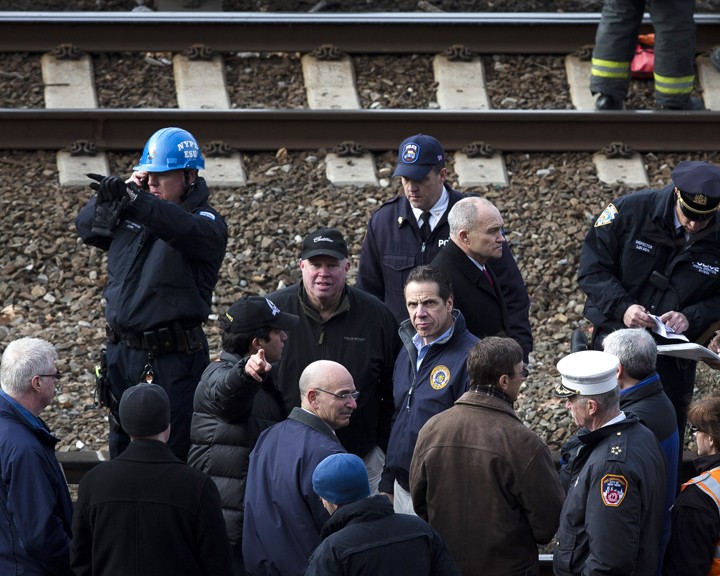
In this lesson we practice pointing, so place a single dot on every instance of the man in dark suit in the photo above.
(476, 236)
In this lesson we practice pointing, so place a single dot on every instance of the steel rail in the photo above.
(396, 33)
(375, 130)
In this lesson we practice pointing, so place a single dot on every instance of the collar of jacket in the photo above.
(643, 389)
(407, 331)
(487, 400)
(230, 357)
(705, 463)
(147, 450)
(365, 510)
(9, 407)
(596, 436)
(199, 196)
(314, 422)
(311, 312)
(491, 391)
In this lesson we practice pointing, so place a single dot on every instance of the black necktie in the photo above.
(425, 228)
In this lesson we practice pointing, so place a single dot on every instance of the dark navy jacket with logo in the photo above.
(420, 394)
(634, 237)
(612, 517)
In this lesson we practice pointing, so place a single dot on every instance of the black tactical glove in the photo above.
(107, 215)
(108, 188)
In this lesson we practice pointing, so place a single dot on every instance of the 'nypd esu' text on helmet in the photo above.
(171, 149)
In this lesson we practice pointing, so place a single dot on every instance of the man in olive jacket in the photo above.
(481, 478)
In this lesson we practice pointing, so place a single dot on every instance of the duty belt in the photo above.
(161, 340)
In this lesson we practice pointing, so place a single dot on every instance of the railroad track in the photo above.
(374, 130)
(483, 33)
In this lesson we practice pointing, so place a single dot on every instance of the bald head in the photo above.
(328, 391)
(476, 227)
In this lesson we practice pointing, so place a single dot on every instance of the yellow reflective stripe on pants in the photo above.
(610, 69)
(669, 85)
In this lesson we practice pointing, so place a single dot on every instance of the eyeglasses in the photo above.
(524, 372)
(343, 397)
(56, 377)
(694, 429)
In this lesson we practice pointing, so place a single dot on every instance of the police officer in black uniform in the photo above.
(657, 252)
(165, 245)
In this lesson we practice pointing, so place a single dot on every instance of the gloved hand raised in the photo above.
(107, 215)
(108, 188)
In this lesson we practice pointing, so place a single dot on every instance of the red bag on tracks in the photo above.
(641, 67)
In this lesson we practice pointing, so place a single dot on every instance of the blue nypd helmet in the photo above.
(417, 155)
(697, 186)
(171, 149)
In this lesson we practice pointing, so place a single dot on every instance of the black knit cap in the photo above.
(144, 410)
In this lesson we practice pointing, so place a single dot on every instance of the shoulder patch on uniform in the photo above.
(439, 377)
(607, 216)
(613, 489)
(207, 214)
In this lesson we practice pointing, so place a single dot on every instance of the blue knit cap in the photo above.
(341, 479)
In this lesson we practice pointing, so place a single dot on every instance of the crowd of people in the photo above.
(370, 429)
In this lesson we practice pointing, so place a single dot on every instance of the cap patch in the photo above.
(410, 153)
(613, 489)
(274, 309)
(700, 199)
(607, 216)
(439, 377)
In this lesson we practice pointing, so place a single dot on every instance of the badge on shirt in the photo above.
(439, 377)
(207, 214)
(613, 489)
(607, 216)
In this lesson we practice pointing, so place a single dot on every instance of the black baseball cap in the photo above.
(255, 312)
(327, 242)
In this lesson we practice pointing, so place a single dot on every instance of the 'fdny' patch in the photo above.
(607, 216)
(613, 489)
(410, 153)
(207, 214)
(439, 377)
(706, 269)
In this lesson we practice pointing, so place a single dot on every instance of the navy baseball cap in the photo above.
(417, 155)
(255, 312)
(341, 479)
(698, 189)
